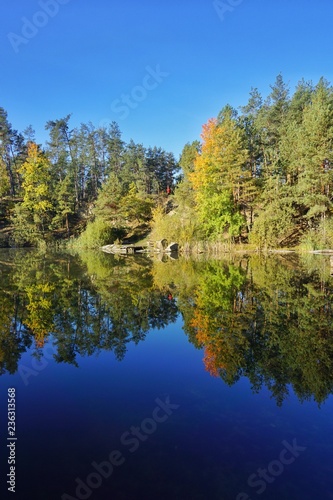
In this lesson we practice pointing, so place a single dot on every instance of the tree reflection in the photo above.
(268, 319)
(89, 305)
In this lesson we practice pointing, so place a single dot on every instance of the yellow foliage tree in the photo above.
(35, 212)
(220, 174)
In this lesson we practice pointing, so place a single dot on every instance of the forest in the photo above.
(260, 176)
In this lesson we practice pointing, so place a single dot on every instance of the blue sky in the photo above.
(86, 57)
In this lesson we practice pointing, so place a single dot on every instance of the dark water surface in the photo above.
(138, 379)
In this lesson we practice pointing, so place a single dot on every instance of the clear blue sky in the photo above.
(85, 57)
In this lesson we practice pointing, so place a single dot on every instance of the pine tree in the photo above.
(12, 154)
(115, 148)
(315, 148)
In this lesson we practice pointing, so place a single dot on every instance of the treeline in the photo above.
(49, 190)
(262, 174)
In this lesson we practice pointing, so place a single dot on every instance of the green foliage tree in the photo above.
(219, 176)
(115, 148)
(33, 216)
(12, 154)
(64, 202)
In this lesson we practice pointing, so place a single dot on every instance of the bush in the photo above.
(273, 225)
(97, 234)
(178, 226)
(319, 238)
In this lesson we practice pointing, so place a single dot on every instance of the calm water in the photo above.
(186, 380)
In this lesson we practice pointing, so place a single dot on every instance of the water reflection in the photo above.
(268, 319)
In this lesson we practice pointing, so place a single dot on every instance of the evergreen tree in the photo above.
(12, 154)
(115, 148)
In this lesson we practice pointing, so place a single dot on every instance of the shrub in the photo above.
(97, 234)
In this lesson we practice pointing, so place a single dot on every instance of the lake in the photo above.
(139, 379)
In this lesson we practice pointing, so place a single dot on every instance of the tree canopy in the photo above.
(261, 174)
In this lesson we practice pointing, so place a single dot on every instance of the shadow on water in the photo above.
(265, 318)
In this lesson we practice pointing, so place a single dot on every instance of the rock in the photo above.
(161, 245)
(173, 247)
(123, 249)
(109, 248)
